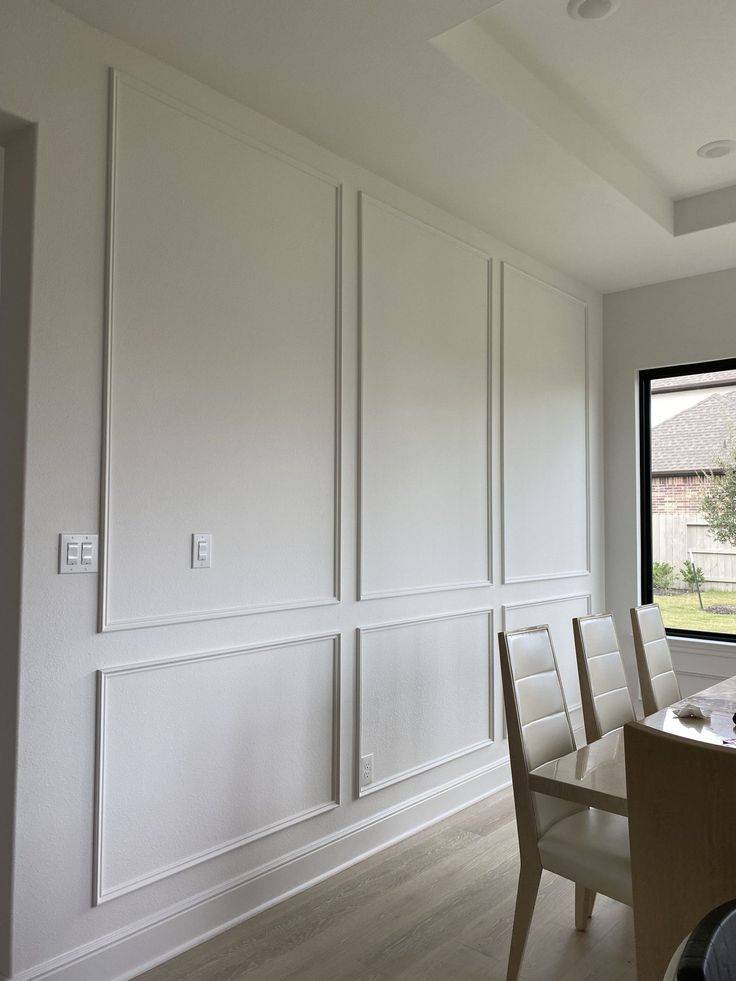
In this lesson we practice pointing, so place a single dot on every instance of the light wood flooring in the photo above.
(436, 906)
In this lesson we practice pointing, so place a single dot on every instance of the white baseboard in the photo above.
(139, 946)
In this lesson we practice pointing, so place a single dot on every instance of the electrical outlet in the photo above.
(366, 770)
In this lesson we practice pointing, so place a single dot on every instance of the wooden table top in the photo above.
(595, 775)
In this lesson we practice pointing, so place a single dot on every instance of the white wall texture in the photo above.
(674, 323)
(307, 362)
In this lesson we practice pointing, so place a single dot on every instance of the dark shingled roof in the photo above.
(708, 379)
(693, 440)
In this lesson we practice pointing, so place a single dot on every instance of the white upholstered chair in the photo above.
(657, 678)
(604, 693)
(586, 845)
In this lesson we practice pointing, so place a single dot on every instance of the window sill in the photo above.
(695, 645)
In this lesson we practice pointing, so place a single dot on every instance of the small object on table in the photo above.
(734, 718)
(689, 710)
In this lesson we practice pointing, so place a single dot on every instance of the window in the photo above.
(688, 496)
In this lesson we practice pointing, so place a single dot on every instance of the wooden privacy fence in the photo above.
(675, 536)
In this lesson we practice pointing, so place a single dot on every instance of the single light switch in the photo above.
(78, 553)
(201, 551)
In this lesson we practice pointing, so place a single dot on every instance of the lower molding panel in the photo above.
(229, 710)
(139, 946)
(424, 693)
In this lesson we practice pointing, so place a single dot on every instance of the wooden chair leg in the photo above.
(584, 900)
(526, 897)
(591, 902)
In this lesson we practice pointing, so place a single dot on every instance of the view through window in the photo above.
(689, 496)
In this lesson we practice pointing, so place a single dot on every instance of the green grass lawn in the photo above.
(683, 611)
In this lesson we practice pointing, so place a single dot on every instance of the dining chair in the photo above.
(586, 845)
(657, 678)
(604, 693)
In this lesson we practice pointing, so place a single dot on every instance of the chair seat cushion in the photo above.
(592, 848)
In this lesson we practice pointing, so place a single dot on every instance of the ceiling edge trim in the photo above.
(477, 53)
(707, 210)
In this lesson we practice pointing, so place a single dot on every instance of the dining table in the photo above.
(595, 775)
(678, 790)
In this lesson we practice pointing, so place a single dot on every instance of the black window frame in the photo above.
(646, 377)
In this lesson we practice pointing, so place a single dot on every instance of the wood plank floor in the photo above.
(436, 906)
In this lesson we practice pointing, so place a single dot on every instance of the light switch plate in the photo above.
(78, 553)
(201, 551)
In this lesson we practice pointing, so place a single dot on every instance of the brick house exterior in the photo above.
(677, 494)
(686, 447)
(698, 426)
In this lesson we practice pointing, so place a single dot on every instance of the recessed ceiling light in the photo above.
(718, 148)
(592, 9)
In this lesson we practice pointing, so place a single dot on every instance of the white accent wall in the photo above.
(389, 421)
(675, 323)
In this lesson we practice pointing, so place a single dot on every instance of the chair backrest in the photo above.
(657, 678)
(605, 695)
(538, 724)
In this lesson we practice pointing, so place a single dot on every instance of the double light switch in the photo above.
(78, 553)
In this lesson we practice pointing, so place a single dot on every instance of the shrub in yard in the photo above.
(719, 499)
(694, 577)
(663, 575)
(692, 574)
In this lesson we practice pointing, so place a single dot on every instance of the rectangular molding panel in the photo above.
(189, 749)
(424, 693)
(546, 491)
(425, 396)
(223, 371)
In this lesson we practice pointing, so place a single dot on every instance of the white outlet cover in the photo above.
(366, 770)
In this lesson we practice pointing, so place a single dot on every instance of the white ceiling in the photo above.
(658, 76)
(570, 163)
